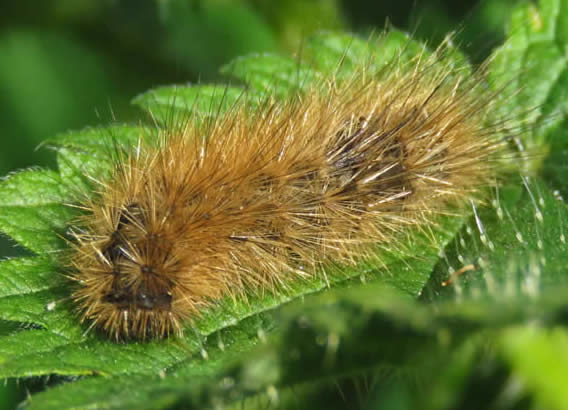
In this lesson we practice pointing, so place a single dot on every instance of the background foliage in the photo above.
(66, 64)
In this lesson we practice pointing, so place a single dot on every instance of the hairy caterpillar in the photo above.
(271, 192)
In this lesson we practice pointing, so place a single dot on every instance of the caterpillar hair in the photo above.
(272, 191)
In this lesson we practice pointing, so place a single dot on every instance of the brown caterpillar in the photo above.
(267, 194)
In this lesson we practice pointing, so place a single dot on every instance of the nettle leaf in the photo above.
(87, 354)
(274, 76)
(453, 318)
(518, 272)
(334, 333)
(326, 53)
(340, 53)
(92, 151)
(533, 61)
(170, 104)
(31, 211)
(532, 70)
(271, 73)
(517, 249)
(26, 275)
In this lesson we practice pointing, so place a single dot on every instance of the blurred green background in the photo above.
(68, 64)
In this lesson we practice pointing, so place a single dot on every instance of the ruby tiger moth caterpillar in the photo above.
(274, 189)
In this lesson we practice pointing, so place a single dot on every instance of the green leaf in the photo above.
(99, 141)
(35, 340)
(340, 53)
(34, 204)
(31, 211)
(326, 54)
(531, 70)
(91, 152)
(34, 308)
(26, 275)
(329, 51)
(172, 104)
(166, 384)
(332, 334)
(523, 250)
(270, 73)
(87, 353)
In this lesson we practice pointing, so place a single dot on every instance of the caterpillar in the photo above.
(271, 192)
